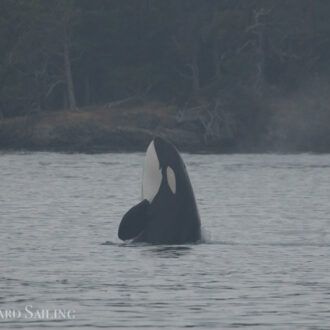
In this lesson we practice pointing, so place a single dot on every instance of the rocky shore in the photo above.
(129, 127)
(100, 129)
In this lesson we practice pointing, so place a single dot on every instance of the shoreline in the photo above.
(130, 128)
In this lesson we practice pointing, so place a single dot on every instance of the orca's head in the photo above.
(167, 154)
(162, 161)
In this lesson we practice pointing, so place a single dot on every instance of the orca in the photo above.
(168, 211)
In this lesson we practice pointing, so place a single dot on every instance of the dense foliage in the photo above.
(224, 54)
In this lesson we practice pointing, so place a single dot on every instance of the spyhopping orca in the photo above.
(168, 212)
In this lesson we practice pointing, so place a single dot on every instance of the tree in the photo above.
(36, 62)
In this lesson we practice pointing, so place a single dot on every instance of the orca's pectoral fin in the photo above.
(134, 221)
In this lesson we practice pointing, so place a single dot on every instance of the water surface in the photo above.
(265, 263)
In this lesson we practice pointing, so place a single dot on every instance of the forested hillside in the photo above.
(253, 71)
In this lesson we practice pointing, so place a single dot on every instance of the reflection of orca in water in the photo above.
(168, 212)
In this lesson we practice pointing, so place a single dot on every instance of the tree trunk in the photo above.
(87, 91)
(195, 76)
(68, 75)
(215, 57)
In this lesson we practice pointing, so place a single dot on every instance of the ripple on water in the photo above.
(263, 262)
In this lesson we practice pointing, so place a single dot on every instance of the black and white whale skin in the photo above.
(168, 212)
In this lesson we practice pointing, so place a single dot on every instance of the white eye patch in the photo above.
(171, 179)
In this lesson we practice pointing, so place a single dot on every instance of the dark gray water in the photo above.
(265, 263)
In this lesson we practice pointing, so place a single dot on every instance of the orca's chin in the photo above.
(152, 176)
